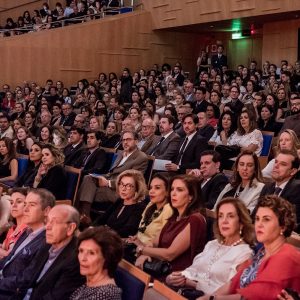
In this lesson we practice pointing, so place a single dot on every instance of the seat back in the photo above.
(23, 161)
(110, 158)
(161, 292)
(132, 281)
(267, 142)
(73, 179)
(148, 172)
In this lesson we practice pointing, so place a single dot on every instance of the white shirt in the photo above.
(216, 265)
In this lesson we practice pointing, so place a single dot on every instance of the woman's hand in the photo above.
(135, 240)
(176, 279)
(285, 296)
(205, 297)
(42, 170)
(141, 260)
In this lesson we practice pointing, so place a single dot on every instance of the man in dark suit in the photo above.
(92, 159)
(181, 112)
(219, 60)
(167, 147)
(284, 185)
(213, 181)
(103, 188)
(179, 78)
(75, 148)
(235, 105)
(192, 145)
(54, 273)
(68, 116)
(205, 130)
(201, 103)
(19, 112)
(148, 138)
(293, 121)
(38, 203)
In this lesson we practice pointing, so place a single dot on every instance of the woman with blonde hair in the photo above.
(125, 214)
(59, 137)
(51, 174)
(287, 140)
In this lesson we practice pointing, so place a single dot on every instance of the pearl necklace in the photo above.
(233, 244)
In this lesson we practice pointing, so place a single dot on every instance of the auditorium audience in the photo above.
(183, 236)
(99, 252)
(221, 257)
(259, 278)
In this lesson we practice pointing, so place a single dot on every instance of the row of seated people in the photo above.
(74, 12)
(180, 156)
(40, 257)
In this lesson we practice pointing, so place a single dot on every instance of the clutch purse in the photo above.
(190, 293)
(157, 268)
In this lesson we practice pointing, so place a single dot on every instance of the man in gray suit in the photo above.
(148, 138)
(103, 188)
(168, 146)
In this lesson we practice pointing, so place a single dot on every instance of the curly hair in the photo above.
(59, 157)
(283, 209)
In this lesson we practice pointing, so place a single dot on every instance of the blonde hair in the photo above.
(139, 181)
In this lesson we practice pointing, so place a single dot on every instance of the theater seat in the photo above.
(132, 281)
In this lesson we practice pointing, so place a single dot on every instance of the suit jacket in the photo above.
(71, 155)
(67, 121)
(151, 141)
(292, 122)
(206, 132)
(179, 129)
(200, 107)
(291, 193)
(59, 282)
(56, 182)
(138, 160)
(169, 148)
(213, 188)
(235, 107)
(20, 262)
(218, 62)
(191, 155)
(94, 163)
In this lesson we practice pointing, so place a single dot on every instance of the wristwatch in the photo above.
(139, 250)
(212, 297)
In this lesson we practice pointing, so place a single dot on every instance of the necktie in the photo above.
(277, 191)
(87, 155)
(181, 150)
(157, 145)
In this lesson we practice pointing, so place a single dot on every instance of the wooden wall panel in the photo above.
(280, 41)
(15, 8)
(175, 13)
(82, 51)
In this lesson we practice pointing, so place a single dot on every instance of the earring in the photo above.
(281, 233)
(241, 232)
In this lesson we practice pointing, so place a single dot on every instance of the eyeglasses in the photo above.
(56, 222)
(127, 186)
(295, 104)
(127, 140)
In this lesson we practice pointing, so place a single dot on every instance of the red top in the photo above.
(198, 236)
(279, 271)
(12, 236)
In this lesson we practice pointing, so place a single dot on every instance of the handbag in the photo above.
(228, 152)
(190, 293)
(157, 268)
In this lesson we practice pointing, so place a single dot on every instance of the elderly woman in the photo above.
(247, 182)
(99, 252)
(287, 140)
(125, 214)
(221, 257)
(51, 174)
(276, 265)
(184, 234)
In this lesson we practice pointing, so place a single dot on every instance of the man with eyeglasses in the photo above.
(235, 105)
(148, 138)
(38, 203)
(293, 121)
(68, 116)
(54, 272)
(103, 188)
